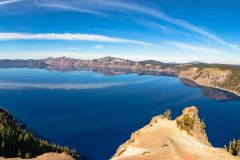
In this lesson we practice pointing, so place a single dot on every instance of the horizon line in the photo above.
(190, 62)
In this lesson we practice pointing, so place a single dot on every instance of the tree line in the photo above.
(17, 141)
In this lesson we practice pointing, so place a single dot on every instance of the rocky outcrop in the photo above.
(197, 129)
(163, 139)
(226, 79)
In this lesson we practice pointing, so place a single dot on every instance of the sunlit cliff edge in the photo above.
(164, 139)
(223, 78)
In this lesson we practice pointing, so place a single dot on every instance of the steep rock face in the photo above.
(162, 139)
(198, 128)
(227, 79)
(208, 76)
(61, 61)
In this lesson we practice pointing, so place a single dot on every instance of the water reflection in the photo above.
(65, 86)
(212, 93)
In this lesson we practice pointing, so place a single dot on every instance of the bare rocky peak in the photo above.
(101, 61)
(197, 129)
(164, 139)
(107, 59)
(61, 61)
(114, 60)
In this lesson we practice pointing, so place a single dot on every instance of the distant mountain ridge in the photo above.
(195, 62)
(226, 77)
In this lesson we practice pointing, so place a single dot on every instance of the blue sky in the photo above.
(164, 30)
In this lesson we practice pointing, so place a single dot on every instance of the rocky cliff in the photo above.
(66, 64)
(223, 78)
(164, 139)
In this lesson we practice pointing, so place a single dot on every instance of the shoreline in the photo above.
(223, 89)
(150, 72)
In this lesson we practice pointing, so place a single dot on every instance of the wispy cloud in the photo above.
(74, 48)
(194, 48)
(157, 26)
(5, 2)
(69, 37)
(64, 6)
(181, 23)
(98, 46)
(101, 6)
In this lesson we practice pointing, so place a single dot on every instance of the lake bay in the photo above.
(95, 112)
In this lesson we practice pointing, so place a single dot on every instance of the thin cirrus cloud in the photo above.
(194, 48)
(68, 37)
(62, 6)
(108, 5)
(181, 23)
(98, 46)
(5, 2)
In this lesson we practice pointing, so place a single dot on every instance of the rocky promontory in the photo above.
(163, 139)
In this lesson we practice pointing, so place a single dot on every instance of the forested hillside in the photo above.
(17, 141)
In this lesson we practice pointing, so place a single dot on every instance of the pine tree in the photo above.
(3, 145)
(167, 114)
(20, 138)
(27, 155)
(19, 153)
(234, 147)
(17, 141)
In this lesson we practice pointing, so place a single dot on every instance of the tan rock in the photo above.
(46, 156)
(163, 140)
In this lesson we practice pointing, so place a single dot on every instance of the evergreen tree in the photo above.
(17, 141)
(19, 153)
(234, 147)
(167, 114)
(28, 155)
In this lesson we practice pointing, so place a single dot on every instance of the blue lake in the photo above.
(95, 113)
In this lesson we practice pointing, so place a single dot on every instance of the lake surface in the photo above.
(95, 113)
